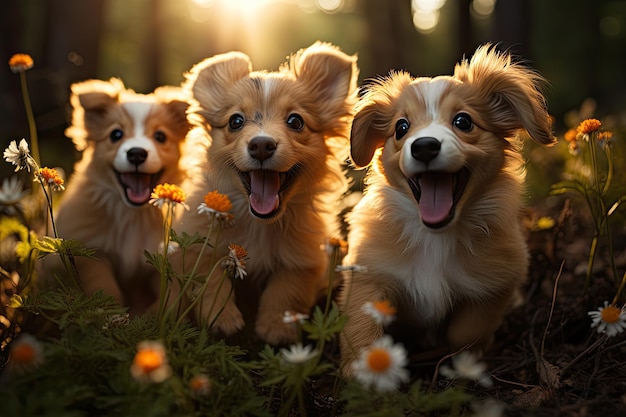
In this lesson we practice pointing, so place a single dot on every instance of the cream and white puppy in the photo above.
(130, 143)
(438, 227)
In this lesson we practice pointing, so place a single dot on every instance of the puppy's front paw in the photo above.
(230, 320)
(270, 328)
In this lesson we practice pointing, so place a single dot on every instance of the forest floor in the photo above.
(547, 360)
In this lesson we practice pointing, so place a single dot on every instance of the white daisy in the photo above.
(19, 155)
(465, 366)
(609, 319)
(172, 247)
(236, 260)
(290, 317)
(12, 191)
(350, 268)
(297, 353)
(382, 365)
(382, 311)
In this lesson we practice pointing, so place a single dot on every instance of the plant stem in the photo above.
(590, 260)
(619, 290)
(167, 222)
(31, 118)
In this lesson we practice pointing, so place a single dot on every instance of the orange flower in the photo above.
(20, 63)
(50, 176)
(570, 135)
(588, 126)
(334, 244)
(163, 193)
(150, 363)
(606, 136)
(26, 352)
(217, 201)
(238, 251)
(216, 205)
(200, 384)
(381, 311)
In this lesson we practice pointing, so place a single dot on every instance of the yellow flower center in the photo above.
(588, 126)
(611, 314)
(545, 222)
(169, 192)
(148, 360)
(218, 202)
(384, 307)
(23, 354)
(378, 360)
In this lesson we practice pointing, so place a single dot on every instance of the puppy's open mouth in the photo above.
(138, 186)
(265, 188)
(437, 194)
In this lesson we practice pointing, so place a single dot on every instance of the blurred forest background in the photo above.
(578, 45)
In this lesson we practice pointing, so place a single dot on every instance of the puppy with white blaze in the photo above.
(274, 143)
(438, 228)
(130, 142)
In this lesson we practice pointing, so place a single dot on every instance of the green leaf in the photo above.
(49, 244)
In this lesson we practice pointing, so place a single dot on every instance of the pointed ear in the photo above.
(512, 93)
(208, 81)
(177, 103)
(95, 95)
(89, 100)
(330, 75)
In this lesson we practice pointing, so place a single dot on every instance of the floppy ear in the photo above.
(372, 123)
(330, 75)
(208, 81)
(512, 91)
(366, 135)
(89, 100)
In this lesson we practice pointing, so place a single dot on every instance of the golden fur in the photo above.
(451, 265)
(99, 211)
(250, 124)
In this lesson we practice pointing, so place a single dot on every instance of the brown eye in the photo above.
(463, 121)
(295, 122)
(236, 122)
(116, 134)
(402, 127)
(159, 136)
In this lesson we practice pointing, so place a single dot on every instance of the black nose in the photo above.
(261, 148)
(425, 149)
(136, 156)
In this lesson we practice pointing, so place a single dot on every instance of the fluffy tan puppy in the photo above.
(438, 227)
(274, 145)
(130, 142)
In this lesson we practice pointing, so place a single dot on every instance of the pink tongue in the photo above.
(264, 186)
(138, 187)
(437, 196)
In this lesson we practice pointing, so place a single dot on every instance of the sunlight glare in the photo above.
(426, 14)
(330, 6)
(483, 8)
